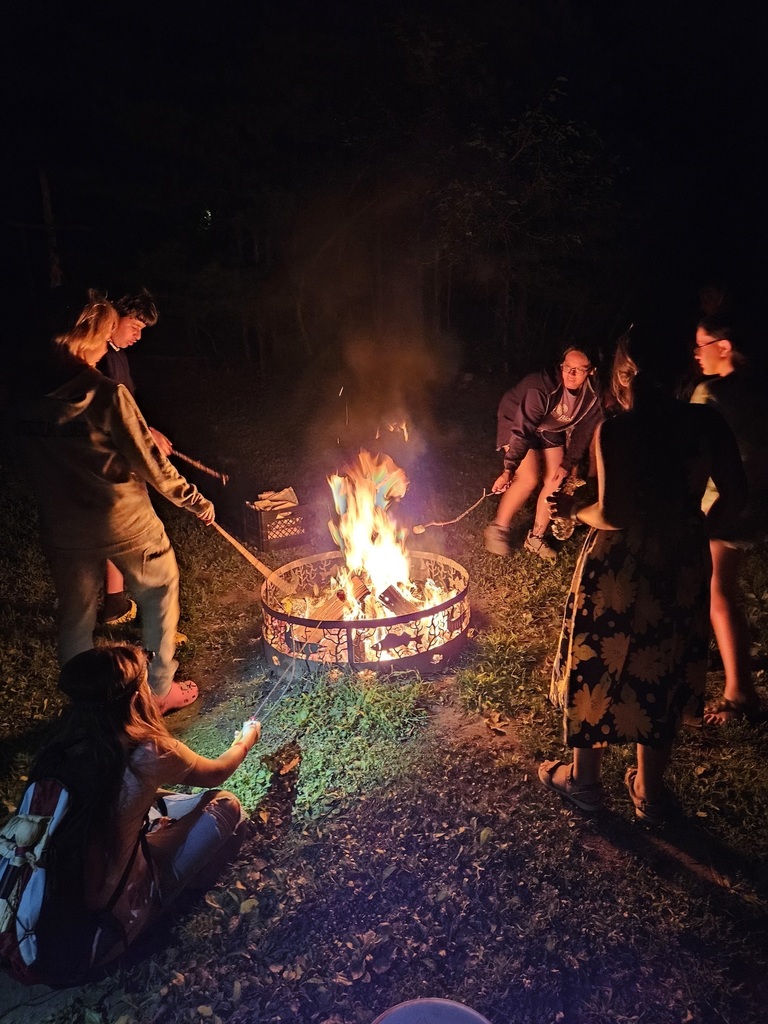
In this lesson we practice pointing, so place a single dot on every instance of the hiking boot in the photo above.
(496, 539)
(118, 609)
(181, 694)
(538, 546)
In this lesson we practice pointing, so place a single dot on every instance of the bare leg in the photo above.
(729, 624)
(553, 460)
(113, 579)
(587, 762)
(651, 765)
(523, 484)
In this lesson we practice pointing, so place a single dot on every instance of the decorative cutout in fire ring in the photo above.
(423, 639)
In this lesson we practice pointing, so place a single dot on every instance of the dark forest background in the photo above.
(461, 184)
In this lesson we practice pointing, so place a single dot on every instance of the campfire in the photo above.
(372, 602)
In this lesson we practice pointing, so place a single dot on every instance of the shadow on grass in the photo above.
(733, 884)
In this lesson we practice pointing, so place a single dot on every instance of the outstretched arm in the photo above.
(133, 439)
(209, 772)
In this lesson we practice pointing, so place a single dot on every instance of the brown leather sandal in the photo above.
(586, 798)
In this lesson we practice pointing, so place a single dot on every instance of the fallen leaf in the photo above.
(290, 765)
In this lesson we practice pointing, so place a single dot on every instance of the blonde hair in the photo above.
(623, 373)
(93, 328)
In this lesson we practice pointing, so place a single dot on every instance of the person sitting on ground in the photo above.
(123, 837)
(545, 425)
(90, 456)
(738, 395)
(631, 663)
(135, 312)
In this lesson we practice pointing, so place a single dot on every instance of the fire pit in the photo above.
(423, 638)
(372, 603)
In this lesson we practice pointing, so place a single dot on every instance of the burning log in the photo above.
(396, 602)
(332, 610)
(335, 606)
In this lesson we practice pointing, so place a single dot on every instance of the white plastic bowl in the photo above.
(431, 1011)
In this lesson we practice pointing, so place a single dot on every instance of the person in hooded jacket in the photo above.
(545, 425)
(90, 456)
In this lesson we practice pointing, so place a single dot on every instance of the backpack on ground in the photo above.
(46, 932)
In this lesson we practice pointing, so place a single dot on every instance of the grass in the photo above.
(398, 850)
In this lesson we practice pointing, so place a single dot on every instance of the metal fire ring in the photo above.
(424, 640)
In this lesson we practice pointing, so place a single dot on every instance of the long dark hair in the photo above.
(110, 714)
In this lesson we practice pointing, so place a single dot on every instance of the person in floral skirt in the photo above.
(631, 662)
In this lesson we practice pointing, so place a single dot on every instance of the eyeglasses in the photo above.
(575, 371)
(714, 341)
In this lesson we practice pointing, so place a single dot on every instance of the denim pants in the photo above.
(190, 836)
(152, 577)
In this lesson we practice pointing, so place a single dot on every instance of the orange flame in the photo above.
(372, 544)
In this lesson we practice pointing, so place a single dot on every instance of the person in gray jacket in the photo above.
(135, 311)
(545, 425)
(91, 456)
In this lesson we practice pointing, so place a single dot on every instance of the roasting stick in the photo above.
(450, 522)
(201, 466)
(279, 584)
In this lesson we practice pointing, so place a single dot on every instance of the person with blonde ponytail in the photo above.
(90, 456)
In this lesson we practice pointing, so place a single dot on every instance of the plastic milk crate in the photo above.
(269, 529)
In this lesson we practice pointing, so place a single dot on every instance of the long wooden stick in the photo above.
(265, 571)
(201, 466)
(449, 522)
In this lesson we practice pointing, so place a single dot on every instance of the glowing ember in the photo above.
(392, 427)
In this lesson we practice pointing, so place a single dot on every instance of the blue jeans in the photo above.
(190, 836)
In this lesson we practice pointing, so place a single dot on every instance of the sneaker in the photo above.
(538, 546)
(119, 612)
(181, 694)
(496, 539)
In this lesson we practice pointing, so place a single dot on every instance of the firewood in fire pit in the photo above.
(396, 602)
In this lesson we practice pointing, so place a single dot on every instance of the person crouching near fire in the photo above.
(90, 455)
(545, 425)
(126, 849)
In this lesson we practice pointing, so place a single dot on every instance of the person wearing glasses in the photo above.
(545, 425)
(737, 393)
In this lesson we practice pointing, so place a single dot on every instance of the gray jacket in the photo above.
(90, 456)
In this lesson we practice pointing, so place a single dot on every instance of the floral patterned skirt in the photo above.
(632, 657)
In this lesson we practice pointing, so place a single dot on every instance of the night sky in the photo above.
(179, 136)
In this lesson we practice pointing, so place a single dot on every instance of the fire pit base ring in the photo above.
(425, 640)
